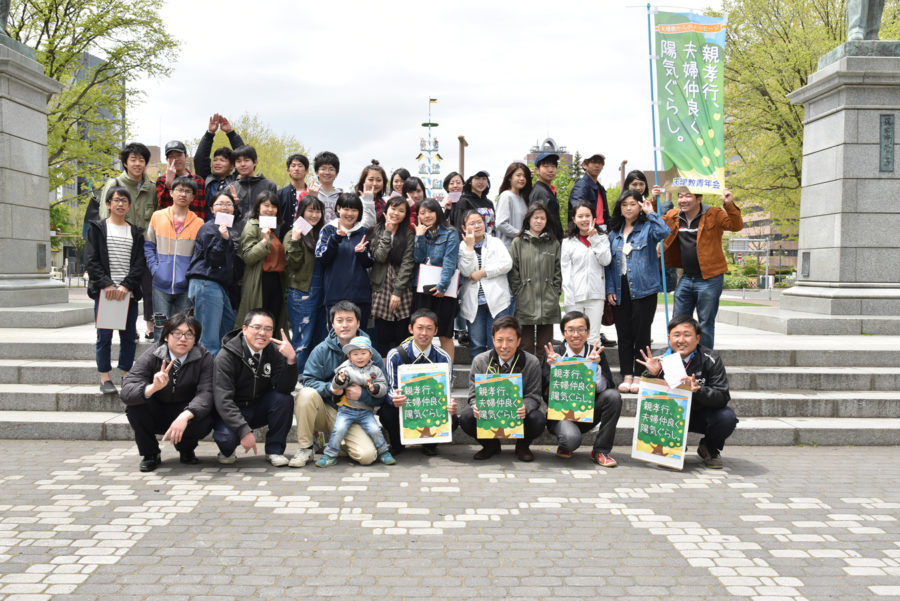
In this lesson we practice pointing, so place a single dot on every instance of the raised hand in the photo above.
(361, 247)
(421, 229)
(726, 197)
(223, 231)
(226, 125)
(285, 348)
(653, 364)
(161, 378)
(647, 206)
(596, 352)
(213, 124)
(552, 356)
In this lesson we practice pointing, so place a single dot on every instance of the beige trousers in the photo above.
(314, 414)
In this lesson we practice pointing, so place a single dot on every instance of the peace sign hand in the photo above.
(285, 348)
(161, 378)
(596, 352)
(552, 356)
(361, 247)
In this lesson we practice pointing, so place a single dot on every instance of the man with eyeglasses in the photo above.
(254, 378)
(695, 245)
(576, 327)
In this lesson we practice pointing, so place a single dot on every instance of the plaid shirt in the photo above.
(164, 195)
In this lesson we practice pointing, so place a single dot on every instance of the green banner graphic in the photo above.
(498, 398)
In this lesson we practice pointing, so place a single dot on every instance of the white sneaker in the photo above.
(226, 460)
(277, 460)
(301, 458)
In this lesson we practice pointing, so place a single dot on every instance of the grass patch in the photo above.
(722, 302)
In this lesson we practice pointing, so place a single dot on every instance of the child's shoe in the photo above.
(387, 458)
(326, 461)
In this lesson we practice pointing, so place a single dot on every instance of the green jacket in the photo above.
(380, 249)
(253, 250)
(143, 199)
(299, 261)
(536, 279)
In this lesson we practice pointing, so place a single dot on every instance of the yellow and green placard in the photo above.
(425, 417)
(661, 423)
(572, 390)
(498, 398)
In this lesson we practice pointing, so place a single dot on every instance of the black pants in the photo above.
(534, 423)
(154, 418)
(715, 424)
(607, 408)
(633, 316)
(147, 292)
(389, 334)
(273, 295)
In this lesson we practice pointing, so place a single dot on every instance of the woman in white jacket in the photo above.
(484, 290)
(583, 255)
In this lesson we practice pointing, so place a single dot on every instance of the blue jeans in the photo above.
(480, 336)
(695, 292)
(168, 305)
(308, 321)
(348, 416)
(213, 310)
(127, 344)
(273, 409)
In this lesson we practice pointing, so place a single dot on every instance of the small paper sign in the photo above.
(303, 226)
(673, 369)
(498, 399)
(268, 222)
(661, 423)
(454, 196)
(425, 417)
(431, 274)
(226, 219)
(572, 387)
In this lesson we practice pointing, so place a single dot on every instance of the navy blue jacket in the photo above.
(214, 257)
(344, 269)
(586, 190)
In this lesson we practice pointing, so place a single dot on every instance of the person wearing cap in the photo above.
(475, 198)
(589, 189)
(545, 166)
(361, 370)
(176, 158)
(695, 245)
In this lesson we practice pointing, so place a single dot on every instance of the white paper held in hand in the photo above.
(673, 369)
(454, 196)
(268, 222)
(112, 314)
(226, 219)
(302, 225)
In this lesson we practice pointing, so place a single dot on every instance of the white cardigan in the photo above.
(496, 262)
(582, 268)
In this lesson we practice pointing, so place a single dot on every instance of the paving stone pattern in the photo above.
(78, 521)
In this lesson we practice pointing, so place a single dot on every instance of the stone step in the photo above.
(858, 404)
(760, 431)
(59, 315)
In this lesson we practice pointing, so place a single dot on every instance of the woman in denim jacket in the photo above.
(633, 279)
(437, 244)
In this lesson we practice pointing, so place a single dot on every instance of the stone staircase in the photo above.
(787, 396)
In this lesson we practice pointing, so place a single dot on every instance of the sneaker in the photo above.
(150, 462)
(326, 461)
(301, 458)
(561, 452)
(711, 459)
(226, 460)
(108, 387)
(188, 457)
(277, 460)
(387, 458)
(429, 450)
(603, 459)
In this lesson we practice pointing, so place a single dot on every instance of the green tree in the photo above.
(772, 48)
(272, 149)
(563, 182)
(87, 122)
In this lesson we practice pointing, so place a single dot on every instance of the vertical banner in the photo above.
(690, 66)
(425, 417)
(572, 390)
(498, 399)
(661, 423)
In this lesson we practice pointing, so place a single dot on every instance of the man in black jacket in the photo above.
(545, 166)
(710, 414)
(254, 378)
(589, 189)
(576, 329)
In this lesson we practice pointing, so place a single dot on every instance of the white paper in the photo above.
(269, 222)
(302, 225)
(431, 274)
(112, 314)
(454, 196)
(673, 369)
(226, 219)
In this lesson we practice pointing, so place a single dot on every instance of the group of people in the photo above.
(228, 245)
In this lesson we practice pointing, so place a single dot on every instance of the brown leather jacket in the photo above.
(713, 222)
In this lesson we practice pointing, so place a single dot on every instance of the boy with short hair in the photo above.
(248, 185)
(218, 173)
(176, 157)
(545, 166)
(361, 370)
(168, 247)
(589, 189)
(327, 165)
(290, 196)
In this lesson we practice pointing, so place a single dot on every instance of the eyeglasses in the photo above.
(223, 204)
(258, 328)
(576, 331)
(182, 334)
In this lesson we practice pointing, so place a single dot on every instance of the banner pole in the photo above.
(662, 254)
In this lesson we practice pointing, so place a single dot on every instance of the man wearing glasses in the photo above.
(254, 378)
(695, 245)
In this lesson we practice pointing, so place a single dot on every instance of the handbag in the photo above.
(608, 319)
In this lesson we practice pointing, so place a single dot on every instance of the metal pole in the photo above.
(462, 156)
(662, 253)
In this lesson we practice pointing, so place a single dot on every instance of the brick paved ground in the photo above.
(79, 522)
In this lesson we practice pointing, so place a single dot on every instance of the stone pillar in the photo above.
(849, 246)
(24, 207)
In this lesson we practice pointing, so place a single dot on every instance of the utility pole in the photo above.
(462, 157)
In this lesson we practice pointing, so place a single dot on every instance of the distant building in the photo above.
(549, 145)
